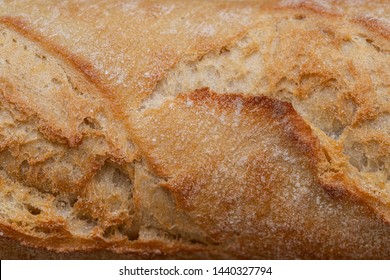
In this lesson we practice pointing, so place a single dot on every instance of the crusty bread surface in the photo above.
(195, 129)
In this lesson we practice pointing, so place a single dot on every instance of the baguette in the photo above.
(195, 129)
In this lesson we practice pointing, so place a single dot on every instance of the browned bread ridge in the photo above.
(195, 129)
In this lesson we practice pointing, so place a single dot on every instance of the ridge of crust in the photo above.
(19, 25)
(337, 165)
(337, 190)
(67, 170)
(97, 249)
(294, 128)
(370, 22)
(230, 197)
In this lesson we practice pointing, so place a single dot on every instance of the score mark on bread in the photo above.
(159, 136)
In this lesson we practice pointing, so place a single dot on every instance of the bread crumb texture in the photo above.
(148, 129)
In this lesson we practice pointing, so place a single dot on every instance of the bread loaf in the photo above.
(195, 129)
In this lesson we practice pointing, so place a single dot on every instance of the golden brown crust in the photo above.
(84, 67)
(370, 14)
(252, 200)
(142, 171)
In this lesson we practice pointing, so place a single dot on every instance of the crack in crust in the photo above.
(193, 170)
(237, 166)
(61, 150)
(328, 81)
